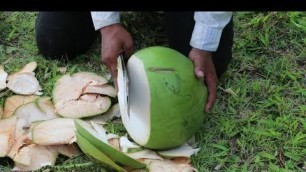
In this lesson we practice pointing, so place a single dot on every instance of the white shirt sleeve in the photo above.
(208, 28)
(102, 19)
(206, 33)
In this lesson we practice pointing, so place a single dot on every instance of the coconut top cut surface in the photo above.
(139, 89)
(166, 99)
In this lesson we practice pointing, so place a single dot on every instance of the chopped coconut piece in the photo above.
(101, 131)
(89, 78)
(7, 136)
(168, 166)
(126, 144)
(24, 83)
(101, 89)
(112, 136)
(45, 104)
(18, 144)
(114, 142)
(89, 136)
(89, 97)
(182, 151)
(69, 150)
(113, 111)
(6, 142)
(13, 102)
(22, 156)
(26, 114)
(62, 69)
(89, 149)
(81, 108)
(66, 89)
(35, 157)
(3, 77)
(72, 98)
(7, 124)
(30, 67)
(145, 154)
(54, 132)
(192, 142)
(1, 112)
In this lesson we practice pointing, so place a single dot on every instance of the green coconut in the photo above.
(166, 100)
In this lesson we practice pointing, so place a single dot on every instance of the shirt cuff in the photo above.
(102, 19)
(206, 37)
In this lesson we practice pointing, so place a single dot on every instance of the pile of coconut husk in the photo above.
(35, 129)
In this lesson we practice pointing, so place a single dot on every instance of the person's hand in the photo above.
(115, 40)
(204, 69)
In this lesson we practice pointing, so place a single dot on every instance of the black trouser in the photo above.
(70, 34)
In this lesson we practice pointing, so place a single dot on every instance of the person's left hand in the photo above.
(204, 69)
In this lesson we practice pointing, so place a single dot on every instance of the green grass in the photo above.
(258, 121)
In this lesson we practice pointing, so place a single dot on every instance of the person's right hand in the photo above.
(204, 69)
(115, 40)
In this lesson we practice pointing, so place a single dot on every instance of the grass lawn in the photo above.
(258, 122)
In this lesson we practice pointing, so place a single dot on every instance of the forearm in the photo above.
(102, 19)
(208, 29)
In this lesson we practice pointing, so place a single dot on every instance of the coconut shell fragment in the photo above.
(92, 136)
(82, 94)
(1, 112)
(168, 166)
(3, 77)
(13, 102)
(30, 67)
(6, 142)
(34, 130)
(113, 112)
(24, 81)
(146, 154)
(81, 108)
(101, 89)
(33, 157)
(19, 144)
(182, 151)
(54, 132)
(7, 135)
(69, 150)
(95, 153)
(26, 115)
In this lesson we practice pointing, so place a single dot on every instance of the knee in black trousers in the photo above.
(64, 34)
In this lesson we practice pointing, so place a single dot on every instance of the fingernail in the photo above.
(200, 74)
